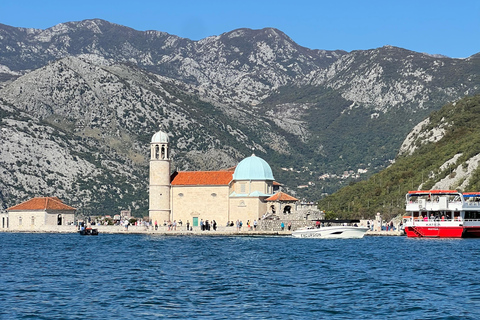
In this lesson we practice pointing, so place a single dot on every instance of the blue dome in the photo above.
(253, 168)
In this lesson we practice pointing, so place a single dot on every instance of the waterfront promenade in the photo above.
(181, 231)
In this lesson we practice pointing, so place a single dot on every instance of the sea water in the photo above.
(68, 276)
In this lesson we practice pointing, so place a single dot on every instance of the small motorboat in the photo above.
(332, 229)
(88, 232)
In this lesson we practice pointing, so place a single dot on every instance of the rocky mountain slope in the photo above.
(241, 66)
(104, 89)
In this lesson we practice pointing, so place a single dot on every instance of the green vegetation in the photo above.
(385, 191)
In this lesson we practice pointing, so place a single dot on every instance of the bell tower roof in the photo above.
(160, 137)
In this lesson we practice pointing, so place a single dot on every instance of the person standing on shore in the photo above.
(156, 225)
(255, 225)
(282, 225)
(188, 225)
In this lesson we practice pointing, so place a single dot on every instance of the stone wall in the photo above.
(275, 225)
(300, 218)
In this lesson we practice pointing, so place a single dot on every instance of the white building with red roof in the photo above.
(39, 214)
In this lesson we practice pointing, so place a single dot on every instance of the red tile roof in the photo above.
(280, 196)
(202, 178)
(42, 203)
(275, 183)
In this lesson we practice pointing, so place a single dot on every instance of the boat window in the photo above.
(472, 215)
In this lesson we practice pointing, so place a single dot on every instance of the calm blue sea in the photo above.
(68, 276)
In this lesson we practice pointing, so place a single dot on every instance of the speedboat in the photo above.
(332, 229)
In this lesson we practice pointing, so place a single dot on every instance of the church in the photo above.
(247, 192)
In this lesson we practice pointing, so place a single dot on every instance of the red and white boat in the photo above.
(442, 214)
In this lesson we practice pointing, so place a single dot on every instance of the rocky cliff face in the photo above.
(88, 95)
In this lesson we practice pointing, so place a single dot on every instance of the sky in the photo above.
(450, 28)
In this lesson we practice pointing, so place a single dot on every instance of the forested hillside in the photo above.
(443, 152)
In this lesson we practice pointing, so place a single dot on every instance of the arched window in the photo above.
(287, 209)
(272, 208)
(157, 151)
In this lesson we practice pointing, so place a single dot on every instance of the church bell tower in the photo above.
(159, 188)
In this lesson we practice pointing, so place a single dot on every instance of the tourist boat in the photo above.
(88, 232)
(332, 229)
(442, 214)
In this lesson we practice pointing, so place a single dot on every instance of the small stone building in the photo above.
(280, 202)
(38, 213)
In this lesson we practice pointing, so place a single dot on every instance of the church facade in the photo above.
(243, 193)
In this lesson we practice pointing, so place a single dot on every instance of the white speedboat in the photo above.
(332, 229)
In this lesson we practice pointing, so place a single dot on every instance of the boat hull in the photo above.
(88, 232)
(340, 232)
(471, 232)
(434, 232)
(443, 231)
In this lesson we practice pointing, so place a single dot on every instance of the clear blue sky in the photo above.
(451, 28)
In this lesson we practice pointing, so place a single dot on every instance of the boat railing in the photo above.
(433, 205)
(434, 222)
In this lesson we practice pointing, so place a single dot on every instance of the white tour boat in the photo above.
(442, 214)
(332, 229)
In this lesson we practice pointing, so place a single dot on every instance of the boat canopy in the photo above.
(427, 192)
(471, 194)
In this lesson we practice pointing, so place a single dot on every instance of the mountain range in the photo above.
(80, 101)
